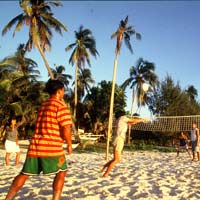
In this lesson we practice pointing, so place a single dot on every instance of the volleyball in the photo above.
(145, 86)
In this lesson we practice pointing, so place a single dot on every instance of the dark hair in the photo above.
(53, 85)
(13, 117)
(119, 113)
(136, 115)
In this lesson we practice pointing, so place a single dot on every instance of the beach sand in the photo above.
(139, 176)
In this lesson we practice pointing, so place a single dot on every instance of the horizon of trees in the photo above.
(21, 92)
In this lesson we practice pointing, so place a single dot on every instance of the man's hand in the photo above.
(69, 149)
(145, 120)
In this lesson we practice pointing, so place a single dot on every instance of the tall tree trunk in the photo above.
(45, 61)
(129, 127)
(109, 133)
(75, 92)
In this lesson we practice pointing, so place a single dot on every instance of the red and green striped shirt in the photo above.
(47, 141)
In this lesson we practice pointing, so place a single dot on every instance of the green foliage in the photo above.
(20, 92)
(170, 100)
(143, 72)
(97, 103)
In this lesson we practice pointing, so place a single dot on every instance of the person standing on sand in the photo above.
(45, 153)
(11, 143)
(195, 142)
(120, 135)
(183, 144)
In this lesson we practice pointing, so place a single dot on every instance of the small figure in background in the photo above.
(195, 141)
(183, 144)
(11, 143)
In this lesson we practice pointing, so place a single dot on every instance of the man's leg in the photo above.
(198, 156)
(194, 157)
(17, 184)
(58, 184)
(193, 150)
(178, 150)
(188, 151)
(106, 165)
(113, 163)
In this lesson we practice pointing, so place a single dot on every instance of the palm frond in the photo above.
(69, 47)
(12, 23)
(127, 42)
(138, 36)
(114, 35)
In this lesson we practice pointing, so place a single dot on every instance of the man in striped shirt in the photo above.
(46, 154)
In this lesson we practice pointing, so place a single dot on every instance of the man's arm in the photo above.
(137, 120)
(198, 139)
(66, 135)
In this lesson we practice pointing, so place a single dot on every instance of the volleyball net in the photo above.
(169, 124)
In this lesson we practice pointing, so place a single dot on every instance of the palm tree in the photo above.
(58, 74)
(22, 64)
(38, 16)
(192, 92)
(143, 73)
(84, 45)
(123, 32)
(18, 86)
(84, 81)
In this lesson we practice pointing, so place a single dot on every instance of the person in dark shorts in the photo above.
(45, 153)
(183, 144)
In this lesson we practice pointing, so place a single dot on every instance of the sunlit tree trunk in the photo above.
(75, 91)
(45, 61)
(129, 127)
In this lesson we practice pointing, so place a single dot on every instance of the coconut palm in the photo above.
(123, 33)
(38, 16)
(84, 45)
(84, 81)
(22, 64)
(142, 73)
(58, 74)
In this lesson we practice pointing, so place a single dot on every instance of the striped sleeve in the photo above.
(64, 116)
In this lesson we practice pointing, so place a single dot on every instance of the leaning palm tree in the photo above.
(124, 32)
(142, 73)
(84, 45)
(38, 16)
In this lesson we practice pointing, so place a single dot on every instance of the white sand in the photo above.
(140, 175)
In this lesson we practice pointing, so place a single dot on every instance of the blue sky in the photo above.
(170, 38)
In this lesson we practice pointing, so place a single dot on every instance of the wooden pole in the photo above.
(111, 107)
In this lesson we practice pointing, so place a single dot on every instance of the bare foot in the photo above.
(105, 175)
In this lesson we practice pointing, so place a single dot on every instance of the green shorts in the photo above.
(50, 165)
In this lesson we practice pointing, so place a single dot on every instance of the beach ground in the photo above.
(141, 175)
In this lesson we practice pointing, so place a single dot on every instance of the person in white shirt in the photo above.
(120, 135)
